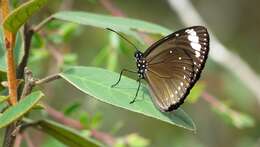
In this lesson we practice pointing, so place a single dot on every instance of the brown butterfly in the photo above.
(172, 65)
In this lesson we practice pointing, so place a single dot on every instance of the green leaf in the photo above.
(2, 47)
(21, 14)
(3, 98)
(15, 112)
(37, 41)
(70, 59)
(15, 3)
(106, 21)
(97, 83)
(68, 31)
(95, 121)
(17, 50)
(72, 108)
(65, 134)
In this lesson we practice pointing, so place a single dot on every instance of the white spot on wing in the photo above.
(193, 38)
(195, 46)
(191, 32)
(179, 58)
(170, 51)
(197, 54)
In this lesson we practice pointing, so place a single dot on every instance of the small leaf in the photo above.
(15, 3)
(97, 83)
(67, 31)
(72, 108)
(106, 21)
(18, 52)
(70, 59)
(84, 119)
(3, 98)
(37, 41)
(95, 121)
(15, 112)
(65, 134)
(21, 14)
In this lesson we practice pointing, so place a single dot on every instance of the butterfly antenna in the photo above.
(122, 37)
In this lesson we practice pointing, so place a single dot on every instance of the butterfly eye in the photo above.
(137, 55)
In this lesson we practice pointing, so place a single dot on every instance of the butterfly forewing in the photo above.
(174, 65)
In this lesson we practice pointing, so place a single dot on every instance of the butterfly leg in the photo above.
(136, 94)
(121, 73)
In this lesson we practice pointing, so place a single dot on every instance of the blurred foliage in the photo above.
(132, 140)
(196, 92)
(235, 118)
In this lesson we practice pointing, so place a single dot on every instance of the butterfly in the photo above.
(171, 66)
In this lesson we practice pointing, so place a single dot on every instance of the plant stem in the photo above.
(11, 75)
(41, 24)
(27, 33)
(47, 79)
(9, 44)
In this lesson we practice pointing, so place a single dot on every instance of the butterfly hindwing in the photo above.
(174, 64)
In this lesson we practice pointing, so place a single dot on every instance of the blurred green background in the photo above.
(236, 24)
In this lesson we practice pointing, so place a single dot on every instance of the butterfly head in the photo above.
(138, 55)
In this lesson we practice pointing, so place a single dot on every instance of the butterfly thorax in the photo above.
(141, 64)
